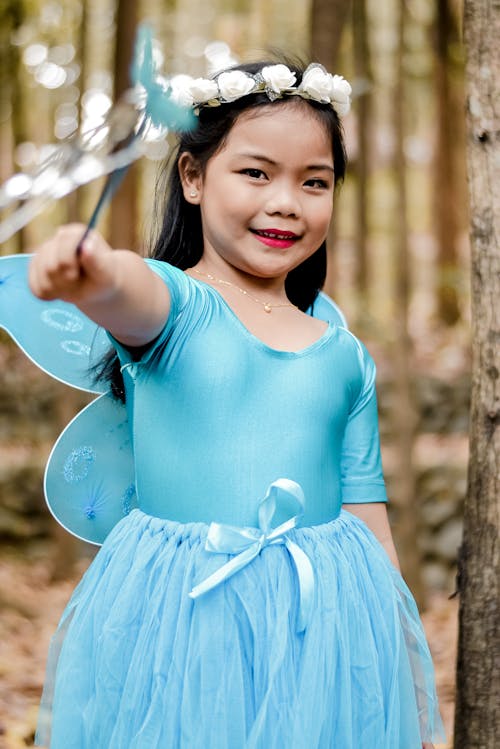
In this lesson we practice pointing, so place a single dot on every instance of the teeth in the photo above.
(272, 235)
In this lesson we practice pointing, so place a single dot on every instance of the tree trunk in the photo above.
(124, 213)
(328, 19)
(363, 76)
(12, 115)
(405, 416)
(449, 182)
(477, 721)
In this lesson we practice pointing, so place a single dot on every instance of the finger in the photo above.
(37, 272)
(54, 266)
(33, 281)
(94, 258)
(39, 283)
(61, 264)
(64, 263)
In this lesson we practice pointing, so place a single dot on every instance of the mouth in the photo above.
(276, 237)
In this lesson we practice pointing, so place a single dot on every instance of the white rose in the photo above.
(203, 90)
(278, 77)
(317, 83)
(341, 85)
(180, 94)
(234, 84)
(340, 95)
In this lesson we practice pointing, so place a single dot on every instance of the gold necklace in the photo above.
(268, 307)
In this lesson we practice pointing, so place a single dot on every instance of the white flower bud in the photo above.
(203, 90)
(180, 85)
(340, 95)
(234, 84)
(340, 84)
(317, 83)
(278, 77)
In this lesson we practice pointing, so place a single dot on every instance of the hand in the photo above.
(57, 271)
(427, 745)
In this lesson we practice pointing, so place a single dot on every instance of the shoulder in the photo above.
(192, 302)
(326, 309)
(361, 363)
(179, 284)
(351, 342)
(169, 273)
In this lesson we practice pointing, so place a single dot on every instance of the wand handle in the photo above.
(112, 183)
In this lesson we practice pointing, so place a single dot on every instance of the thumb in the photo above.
(94, 256)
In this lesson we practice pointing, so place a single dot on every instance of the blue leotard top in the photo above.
(217, 415)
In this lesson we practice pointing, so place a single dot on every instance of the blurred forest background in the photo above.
(398, 266)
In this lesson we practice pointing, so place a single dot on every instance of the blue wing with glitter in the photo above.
(56, 336)
(90, 477)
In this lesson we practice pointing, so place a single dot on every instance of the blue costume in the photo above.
(235, 604)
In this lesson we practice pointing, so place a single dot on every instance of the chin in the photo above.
(280, 266)
(273, 271)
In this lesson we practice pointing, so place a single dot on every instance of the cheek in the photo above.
(322, 217)
(329, 210)
(231, 203)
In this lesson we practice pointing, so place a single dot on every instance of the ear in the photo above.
(191, 179)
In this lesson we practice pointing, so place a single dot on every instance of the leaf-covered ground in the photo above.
(31, 604)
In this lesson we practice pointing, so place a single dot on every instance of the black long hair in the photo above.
(179, 238)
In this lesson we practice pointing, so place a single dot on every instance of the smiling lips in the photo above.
(276, 237)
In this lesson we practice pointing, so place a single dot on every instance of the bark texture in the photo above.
(449, 185)
(363, 74)
(477, 721)
(328, 19)
(123, 212)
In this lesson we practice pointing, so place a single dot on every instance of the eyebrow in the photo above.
(267, 160)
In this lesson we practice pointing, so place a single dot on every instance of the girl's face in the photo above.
(266, 196)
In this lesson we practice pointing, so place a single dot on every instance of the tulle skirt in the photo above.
(137, 664)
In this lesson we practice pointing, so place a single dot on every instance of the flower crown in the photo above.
(276, 81)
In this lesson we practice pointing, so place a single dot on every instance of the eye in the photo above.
(317, 183)
(254, 173)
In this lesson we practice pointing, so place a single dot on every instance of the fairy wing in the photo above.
(56, 336)
(89, 479)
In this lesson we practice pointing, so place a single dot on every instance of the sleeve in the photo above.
(361, 464)
(326, 309)
(175, 280)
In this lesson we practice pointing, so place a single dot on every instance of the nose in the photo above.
(283, 200)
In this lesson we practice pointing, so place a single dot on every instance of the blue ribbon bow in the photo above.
(247, 543)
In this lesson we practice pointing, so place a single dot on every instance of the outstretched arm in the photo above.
(115, 288)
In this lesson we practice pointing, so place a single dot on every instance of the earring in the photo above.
(193, 194)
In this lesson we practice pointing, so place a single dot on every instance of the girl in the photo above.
(254, 599)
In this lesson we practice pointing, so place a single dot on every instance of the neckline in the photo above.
(283, 353)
